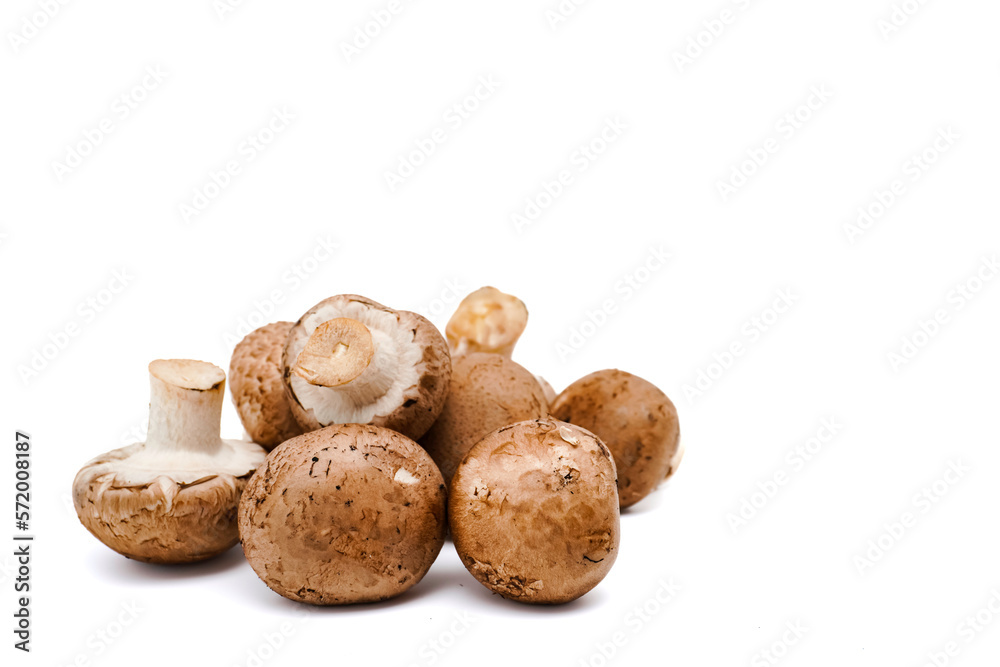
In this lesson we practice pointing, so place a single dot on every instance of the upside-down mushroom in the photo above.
(172, 498)
(352, 360)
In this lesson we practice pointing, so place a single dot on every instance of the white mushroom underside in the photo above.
(137, 465)
(395, 353)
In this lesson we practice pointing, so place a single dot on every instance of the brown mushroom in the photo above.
(173, 498)
(534, 511)
(489, 320)
(257, 387)
(349, 513)
(487, 391)
(352, 360)
(634, 418)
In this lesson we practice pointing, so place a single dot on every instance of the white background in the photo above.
(190, 284)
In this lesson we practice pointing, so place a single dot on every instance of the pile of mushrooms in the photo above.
(370, 437)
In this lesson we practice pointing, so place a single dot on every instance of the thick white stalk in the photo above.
(185, 406)
(345, 357)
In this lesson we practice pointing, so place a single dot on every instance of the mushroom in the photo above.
(486, 320)
(349, 513)
(636, 420)
(534, 511)
(487, 391)
(352, 360)
(255, 382)
(173, 498)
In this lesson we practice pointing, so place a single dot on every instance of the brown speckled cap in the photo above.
(634, 418)
(257, 387)
(345, 514)
(487, 391)
(534, 511)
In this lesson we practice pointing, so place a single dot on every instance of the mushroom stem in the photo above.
(341, 354)
(185, 406)
(487, 321)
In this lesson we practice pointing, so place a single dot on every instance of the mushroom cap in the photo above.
(162, 518)
(419, 386)
(534, 511)
(488, 391)
(257, 387)
(634, 418)
(349, 513)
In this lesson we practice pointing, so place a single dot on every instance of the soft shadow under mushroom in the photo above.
(112, 567)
